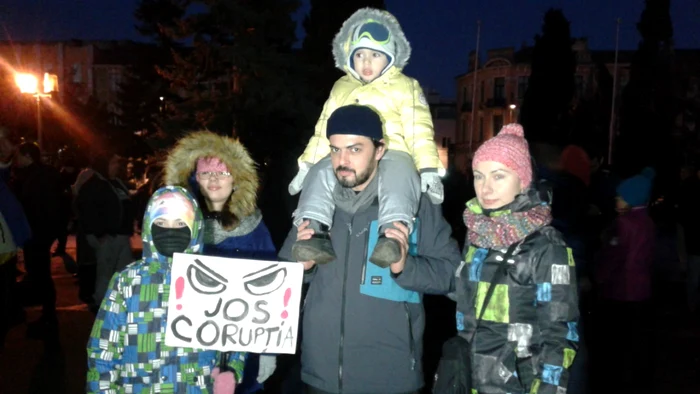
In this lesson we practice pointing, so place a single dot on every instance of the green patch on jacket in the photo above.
(570, 254)
(569, 355)
(470, 254)
(498, 309)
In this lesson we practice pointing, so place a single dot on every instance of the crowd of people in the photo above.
(546, 229)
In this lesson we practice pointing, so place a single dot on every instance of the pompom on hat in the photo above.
(509, 148)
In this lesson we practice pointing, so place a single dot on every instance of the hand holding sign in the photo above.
(234, 304)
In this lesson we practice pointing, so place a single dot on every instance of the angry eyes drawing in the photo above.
(204, 280)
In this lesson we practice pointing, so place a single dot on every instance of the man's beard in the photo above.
(359, 179)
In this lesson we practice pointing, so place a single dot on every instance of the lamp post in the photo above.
(611, 127)
(29, 84)
(512, 108)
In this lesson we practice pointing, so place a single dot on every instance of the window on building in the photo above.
(481, 129)
(464, 95)
(497, 123)
(115, 80)
(483, 89)
(522, 86)
(445, 112)
(499, 88)
(579, 85)
(465, 130)
(77, 72)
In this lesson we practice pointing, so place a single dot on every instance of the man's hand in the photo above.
(304, 233)
(400, 234)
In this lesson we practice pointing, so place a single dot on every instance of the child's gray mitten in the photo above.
(298, 182)
(431, 183)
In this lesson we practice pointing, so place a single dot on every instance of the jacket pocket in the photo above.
(495, 371)
(377, 282)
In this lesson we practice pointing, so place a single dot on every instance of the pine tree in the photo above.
(646, 114)
(142, 93)
(545, 110)
(592, 116)
(159, 18)
(238, 76)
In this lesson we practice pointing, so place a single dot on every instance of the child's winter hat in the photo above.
(576, 162)
(636, 191)
(509, 148)
(374, 29)
(372, 34)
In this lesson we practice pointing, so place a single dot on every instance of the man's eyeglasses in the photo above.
(208, 175)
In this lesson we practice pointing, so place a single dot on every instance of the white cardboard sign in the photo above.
(234, 304)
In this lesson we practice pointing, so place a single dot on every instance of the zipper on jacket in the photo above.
(410, 336)
(364, 259)
(342, 311)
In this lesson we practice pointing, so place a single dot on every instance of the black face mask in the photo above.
(170, 240)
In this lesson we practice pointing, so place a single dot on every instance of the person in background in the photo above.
(68, 175)
(689, 220)
(14, 233)
(7, 152)
(623, 277)
(40, 194)
(106, 219)
(152, 180)
(85, 254)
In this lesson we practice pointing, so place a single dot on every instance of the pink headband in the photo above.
(211, 164)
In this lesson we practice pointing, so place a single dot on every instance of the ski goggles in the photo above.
(373, 31)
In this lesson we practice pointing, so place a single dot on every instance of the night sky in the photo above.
(441, 35)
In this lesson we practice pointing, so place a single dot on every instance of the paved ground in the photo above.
(26, 367)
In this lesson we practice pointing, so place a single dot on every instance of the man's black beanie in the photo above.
(355, 120)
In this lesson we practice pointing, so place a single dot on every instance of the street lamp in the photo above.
(512, 108)
(29, 84)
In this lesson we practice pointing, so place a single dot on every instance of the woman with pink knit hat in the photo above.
(517, 305)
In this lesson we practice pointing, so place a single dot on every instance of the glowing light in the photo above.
(50, 83)
(27, 83)
(512, 106)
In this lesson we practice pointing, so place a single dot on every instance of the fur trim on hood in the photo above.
(182, 163)
(341, 42)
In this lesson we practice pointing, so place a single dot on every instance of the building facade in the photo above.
(85, 69)
(501, 81)
(444, 123)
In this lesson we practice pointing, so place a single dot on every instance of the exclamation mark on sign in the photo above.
(179, 288)
(287, 296)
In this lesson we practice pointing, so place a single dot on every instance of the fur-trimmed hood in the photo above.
(182, 163)
(341, 42)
